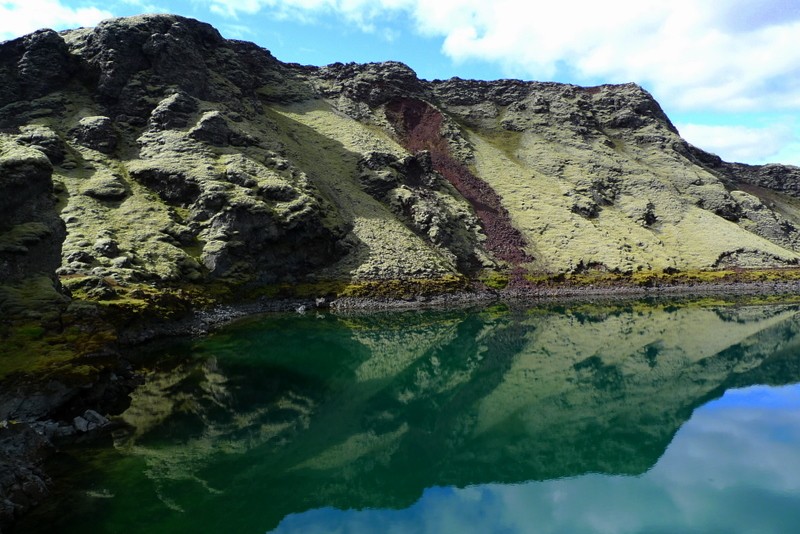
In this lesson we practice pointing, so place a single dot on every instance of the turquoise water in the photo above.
(618, 418)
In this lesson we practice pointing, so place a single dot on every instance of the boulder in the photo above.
(96, 133)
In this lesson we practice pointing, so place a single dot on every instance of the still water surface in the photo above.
(619, 418)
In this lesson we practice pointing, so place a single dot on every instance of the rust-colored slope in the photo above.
(420, 128)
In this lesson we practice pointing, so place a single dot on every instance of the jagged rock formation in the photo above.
(180, 157)
(30, 230)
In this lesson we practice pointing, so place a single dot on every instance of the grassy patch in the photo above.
(494, 279)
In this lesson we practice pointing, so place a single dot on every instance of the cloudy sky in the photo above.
(726, 71)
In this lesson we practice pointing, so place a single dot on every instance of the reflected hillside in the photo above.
(284, 414)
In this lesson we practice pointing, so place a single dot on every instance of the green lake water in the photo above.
(618, 418)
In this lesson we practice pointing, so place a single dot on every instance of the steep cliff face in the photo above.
(30, 233)
(179, 157)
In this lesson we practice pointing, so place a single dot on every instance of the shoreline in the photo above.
(206, 321)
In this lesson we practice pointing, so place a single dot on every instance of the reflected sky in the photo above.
(733, 467)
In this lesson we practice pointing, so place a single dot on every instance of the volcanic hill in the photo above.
(151, 152)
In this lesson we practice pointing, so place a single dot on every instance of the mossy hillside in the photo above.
(223, 167)
(626, 206)
(330, 145)
(181, 194)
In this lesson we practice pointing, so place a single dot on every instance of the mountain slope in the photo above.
(179, 157)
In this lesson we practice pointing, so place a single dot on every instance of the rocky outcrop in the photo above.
(30, 233)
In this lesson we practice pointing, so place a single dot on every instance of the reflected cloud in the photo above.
(735, 455)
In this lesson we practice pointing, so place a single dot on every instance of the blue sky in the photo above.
(726, 71)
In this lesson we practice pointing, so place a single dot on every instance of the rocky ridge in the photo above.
(179, 157)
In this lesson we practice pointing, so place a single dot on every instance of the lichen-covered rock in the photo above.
(97, 133)
(173, 111)
(105, 186)
(30, 233)
(212, 128)
(45, 140)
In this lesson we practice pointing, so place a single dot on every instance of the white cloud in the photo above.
(146, 7)
(730, 468)
(740, 143)
(727, 55)
(19, 17)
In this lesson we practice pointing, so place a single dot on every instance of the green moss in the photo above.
(405, 288)
(663, 278)
(19, 237)
(508, 142)
(195, 249)
(35, 349)
(494, 279)
(32, 331)
(34, 297)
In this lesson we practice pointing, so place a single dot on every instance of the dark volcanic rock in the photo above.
(173, 111)
(31, 232)
(213, 129)
(33, 66)
(373, 83)
(783, 178)
(23, 484)
(171, 48)
(458, 92)
(97, 133)
(46, 141)
(172, 185)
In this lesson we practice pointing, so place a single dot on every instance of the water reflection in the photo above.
(310, 415)
(733, 468)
